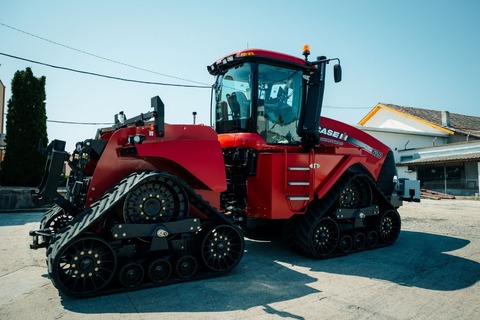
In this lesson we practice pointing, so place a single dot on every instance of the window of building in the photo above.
(441, 177)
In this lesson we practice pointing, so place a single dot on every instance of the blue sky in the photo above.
(411, 53)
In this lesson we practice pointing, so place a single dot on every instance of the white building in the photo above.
(439, 148)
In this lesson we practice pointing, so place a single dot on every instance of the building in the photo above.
(439, 148)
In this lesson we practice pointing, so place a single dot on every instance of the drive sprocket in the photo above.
(158, 199)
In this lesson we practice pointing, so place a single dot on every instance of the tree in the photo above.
(26, 127)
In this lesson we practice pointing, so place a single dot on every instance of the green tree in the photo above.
(26, 126)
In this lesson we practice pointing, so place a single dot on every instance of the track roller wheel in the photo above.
(357, 194)
(372, 239)
(186, 266)
(222, 248)
(131, 275)
(389, 226)
(324, 237)
(346, 243)
(359, 240)
(158, 199)
(159, 270)
(84, 267)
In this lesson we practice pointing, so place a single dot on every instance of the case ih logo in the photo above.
(345, 137)
(333, 133)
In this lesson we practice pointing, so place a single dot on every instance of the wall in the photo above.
(398, 140)
(387, 119)
(14, 199)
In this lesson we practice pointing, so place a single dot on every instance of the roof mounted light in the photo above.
(228, 59)
(213, 69)
(306, 51)
(247, 54)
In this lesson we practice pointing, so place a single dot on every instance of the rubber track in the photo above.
(301, 228)
(111, 198)
(204, 206)
(87, 218)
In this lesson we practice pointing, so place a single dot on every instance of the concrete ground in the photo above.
(431, 272)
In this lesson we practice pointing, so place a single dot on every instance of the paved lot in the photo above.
(431, 272)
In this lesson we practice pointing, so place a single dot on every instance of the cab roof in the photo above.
(254, 55)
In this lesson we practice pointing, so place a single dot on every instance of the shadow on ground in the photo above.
(20, 218)
(267, 275)
(417, 259)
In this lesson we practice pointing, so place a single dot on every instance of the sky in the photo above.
(417, 53)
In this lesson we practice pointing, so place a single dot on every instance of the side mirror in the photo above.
(337, 72)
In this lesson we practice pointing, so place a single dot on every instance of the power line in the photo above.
(106, 76)
(78, 123)
(82, 123)
(124, 64)
(95, 55)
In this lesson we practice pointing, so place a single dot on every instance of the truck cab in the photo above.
(271, 110)
(270, 94)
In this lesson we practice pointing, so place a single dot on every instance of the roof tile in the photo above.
(469, 125)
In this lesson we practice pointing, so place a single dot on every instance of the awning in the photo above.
(467, 157)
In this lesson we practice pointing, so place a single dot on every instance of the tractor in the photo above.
(149, 203)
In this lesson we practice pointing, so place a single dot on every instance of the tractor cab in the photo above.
(273, 95)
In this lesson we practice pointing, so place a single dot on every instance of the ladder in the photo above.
(300, 175)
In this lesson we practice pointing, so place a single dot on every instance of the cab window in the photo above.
(279, 101)
(233, 103)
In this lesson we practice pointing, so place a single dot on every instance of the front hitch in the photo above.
(41, 238)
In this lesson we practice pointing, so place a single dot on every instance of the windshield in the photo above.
(233, 99)
(271, 109)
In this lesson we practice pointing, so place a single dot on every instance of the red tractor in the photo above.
(149, 203)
